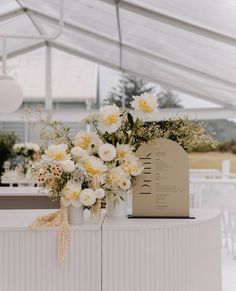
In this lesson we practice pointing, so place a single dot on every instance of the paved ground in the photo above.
(228, 273)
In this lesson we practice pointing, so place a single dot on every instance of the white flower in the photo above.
(56, 153)
(87, 141)
(18, 146)
(145, 107)
(67, 166)
(124, 184)
(94, 166)
(123, 150)
(132, 166)
(26, 146)
(88, 197)
(79, 153)
(32, 146)
(100, 193)
(110, 119)
(71, 194)
(107, 152)
(116, 175)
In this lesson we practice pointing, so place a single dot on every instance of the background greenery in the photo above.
(7, 141)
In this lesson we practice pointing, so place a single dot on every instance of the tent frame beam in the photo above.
(25, 50)
(175, 21)
(11, 14)
(76, 52)
(121, 45)
(114, 42)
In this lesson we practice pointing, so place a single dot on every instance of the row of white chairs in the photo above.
(214, 189)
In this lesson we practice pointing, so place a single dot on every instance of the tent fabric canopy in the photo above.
(185, 45)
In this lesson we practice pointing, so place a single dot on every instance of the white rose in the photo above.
(145, 107)
(124, 150)
(100, 193)
(88, 197)
(79, 153)
(109, 119)
(107, 152)
(124, 184)
(71, 194)
(56, 152)
(88, 141)
(94, 166)
(68, 166)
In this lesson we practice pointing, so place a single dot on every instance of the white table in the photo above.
(28, 259)
(162, 254)
(118, 255)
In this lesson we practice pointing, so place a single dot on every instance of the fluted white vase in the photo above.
(76, 215)
(118, 209)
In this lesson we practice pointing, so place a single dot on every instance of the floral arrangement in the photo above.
(18, 167)
(83, 169)
(72, 173)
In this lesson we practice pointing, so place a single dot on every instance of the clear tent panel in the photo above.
(177, 79)
(85, 45)
(95, 15)
(18, 25)
(7, 6)
(205, 13)
(179, 46)
(73, 78)
(31, 80)
(188, 59)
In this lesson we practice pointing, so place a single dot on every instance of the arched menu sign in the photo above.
(163, 188)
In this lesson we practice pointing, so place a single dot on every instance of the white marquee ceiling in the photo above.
(187, 45)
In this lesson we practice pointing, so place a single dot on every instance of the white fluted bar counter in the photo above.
(28, 259)
(162, 254)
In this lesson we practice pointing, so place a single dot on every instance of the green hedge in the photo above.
(7, 141)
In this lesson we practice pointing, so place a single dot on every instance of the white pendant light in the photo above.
(11, 96)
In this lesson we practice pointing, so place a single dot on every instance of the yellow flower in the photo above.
(123, 150)
(57, 156)
(145, 107)
(109, 119)
(94, 166)
(87, 141)
(56, 152)
(132, 166)
(71, 194)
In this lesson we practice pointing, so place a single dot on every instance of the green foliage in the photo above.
(7, 141)
(227, 147)
(225, 130)
(168, 99)
(189, 134)
(204, 148)
(133, 86)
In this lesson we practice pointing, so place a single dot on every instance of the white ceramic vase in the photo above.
(76, 215)
(118, 209)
